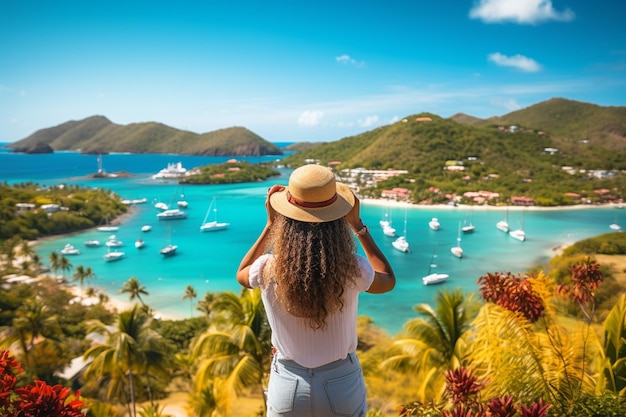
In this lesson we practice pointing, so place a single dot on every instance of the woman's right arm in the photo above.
(384, 278)
(258, 248)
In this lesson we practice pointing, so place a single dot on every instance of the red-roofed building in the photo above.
(396, 193)
(522, 201)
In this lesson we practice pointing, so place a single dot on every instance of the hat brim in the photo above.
(338, 209)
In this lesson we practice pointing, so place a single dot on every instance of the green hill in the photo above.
(97, 134)
(526, 161)
(570, 122)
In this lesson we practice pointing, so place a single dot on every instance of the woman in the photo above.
(309, 273)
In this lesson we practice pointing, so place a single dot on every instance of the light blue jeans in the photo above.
(335, 389)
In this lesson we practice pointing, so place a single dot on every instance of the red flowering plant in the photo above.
(515, 293)
(585, 277)
(463, 388)
(36, 400)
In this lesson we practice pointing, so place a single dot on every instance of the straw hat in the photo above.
(313, 196)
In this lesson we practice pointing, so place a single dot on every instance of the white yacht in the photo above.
(113, 242)
(434, 223)
(69, 249)
(172, 214)
(112, 256)
(173, 170)
(169, 250)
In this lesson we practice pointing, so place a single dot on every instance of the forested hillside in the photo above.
(511, 158)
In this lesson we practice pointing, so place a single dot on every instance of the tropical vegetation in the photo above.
(549, 342)
(230, 173)
(77, 208)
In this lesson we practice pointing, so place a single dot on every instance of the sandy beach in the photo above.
(484, 207)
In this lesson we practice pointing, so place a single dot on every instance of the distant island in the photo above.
(98, 135)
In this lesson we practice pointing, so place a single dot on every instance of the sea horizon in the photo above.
(208, 261)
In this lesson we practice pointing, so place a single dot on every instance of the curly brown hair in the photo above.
(313, 263)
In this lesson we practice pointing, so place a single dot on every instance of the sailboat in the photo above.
(503, 225)
(107, 227)
(615, 226)
(170, 249)
(401, 243)
(388, 229)
(213, 225)
(457, 250)
(519, 234)
(385, 222)
(182, 203)
(468, 227)
(433, 276)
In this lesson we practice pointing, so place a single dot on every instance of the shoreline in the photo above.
(483, 207)
(113, 303)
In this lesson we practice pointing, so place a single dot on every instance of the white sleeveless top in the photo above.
(295, 340)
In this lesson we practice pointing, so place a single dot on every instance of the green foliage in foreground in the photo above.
(82, 208)
(231, 173)
(513, 350)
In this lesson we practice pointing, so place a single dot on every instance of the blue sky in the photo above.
(301, 71)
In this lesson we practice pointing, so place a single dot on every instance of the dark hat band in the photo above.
(305, 204)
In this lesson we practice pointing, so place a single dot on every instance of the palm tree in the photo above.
(36, 262)
(204, 305)
(433, 343)
(9, 249)
(190, 293)
(131, 349)
(82, 274)
(55, 262)
(32, 319)
(25, 249)
(135, 289)
(234, 353)
(64, 264)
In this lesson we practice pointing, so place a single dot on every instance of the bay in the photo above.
(208, 261)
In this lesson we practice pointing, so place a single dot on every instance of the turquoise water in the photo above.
(208, 261)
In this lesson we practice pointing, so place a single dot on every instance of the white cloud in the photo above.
(518, 11)
(310, 118)
(347, 60)
(508, 104)
(369, 121)
(520, 62)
